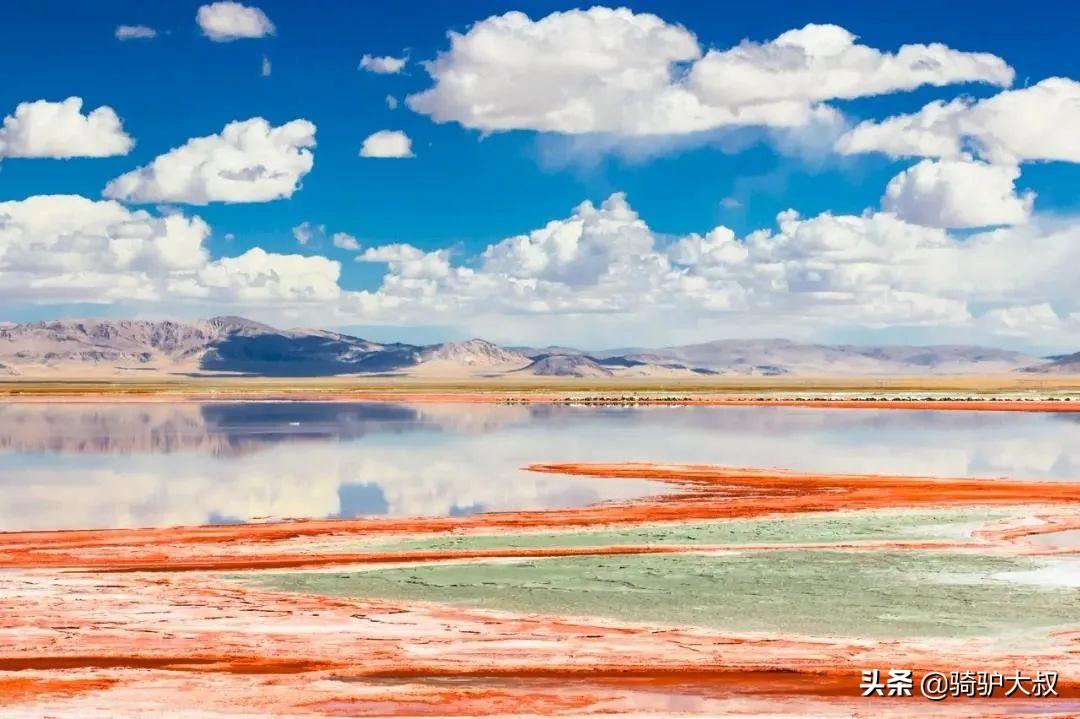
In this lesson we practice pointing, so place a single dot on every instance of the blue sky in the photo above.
(466, 189)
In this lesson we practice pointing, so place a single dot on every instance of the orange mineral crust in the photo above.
(700, 492)
(118, 623)
(196, 642)
(22, 687)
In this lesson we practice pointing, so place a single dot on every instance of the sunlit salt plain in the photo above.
(489, 559)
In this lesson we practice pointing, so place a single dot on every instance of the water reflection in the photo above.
(81, 465)
(223, 429)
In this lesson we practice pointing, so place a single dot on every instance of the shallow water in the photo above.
(821, 593)
(161, 464)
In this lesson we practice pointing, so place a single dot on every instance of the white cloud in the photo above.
(387, 144)
(227, 21)
(266, 67)
(67, 248)
(409, 263)
(1031, 124)
(249, 161)
(606, 261)
(386, 65)
(823, 62)
(306, 232)
(1036, 123)
(602, 272)
(950, 193)
(345, 241)
(577, 252)
(391, 102)
(1022, 321)
(928, 133)
(309, 234)
(61, 130)
(614, 71)
(599, 275)
(258, 276)
(135, 32)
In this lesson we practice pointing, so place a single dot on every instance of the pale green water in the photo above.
(827, 527)
(876, 594)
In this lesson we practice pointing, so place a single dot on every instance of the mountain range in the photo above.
(237, 346)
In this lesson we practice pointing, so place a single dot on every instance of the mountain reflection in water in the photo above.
(162, 464)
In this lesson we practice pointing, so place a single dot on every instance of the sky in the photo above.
(639, 174)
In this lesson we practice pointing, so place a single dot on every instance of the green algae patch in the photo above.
(828, 528)
(839, 593)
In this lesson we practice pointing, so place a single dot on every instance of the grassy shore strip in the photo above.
(830, 593)
(826, 528)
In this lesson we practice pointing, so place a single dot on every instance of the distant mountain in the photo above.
(1062, 364)
(218, 345)
(566, 366)
(111, 343)
(535, 352)
(473, 353)
(234, 345)
(770, 357)
(474, 358)
(298, 353)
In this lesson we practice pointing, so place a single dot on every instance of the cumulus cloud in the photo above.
(385, 65)
(306, 233)
(633, 74)
(1022, 321)
(387, 144)
(258, 276)
(980, 145)
(61, 130)
(600, 274)
(1031, 124)
(603, 267)
(410, 263)
(227, 21)
(67, 248)
(249, 161)
(606, 260)
(957, 193)
(823, 62)
(345, 241)
(135, 32)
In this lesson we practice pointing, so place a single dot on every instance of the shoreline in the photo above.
(924, 402)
